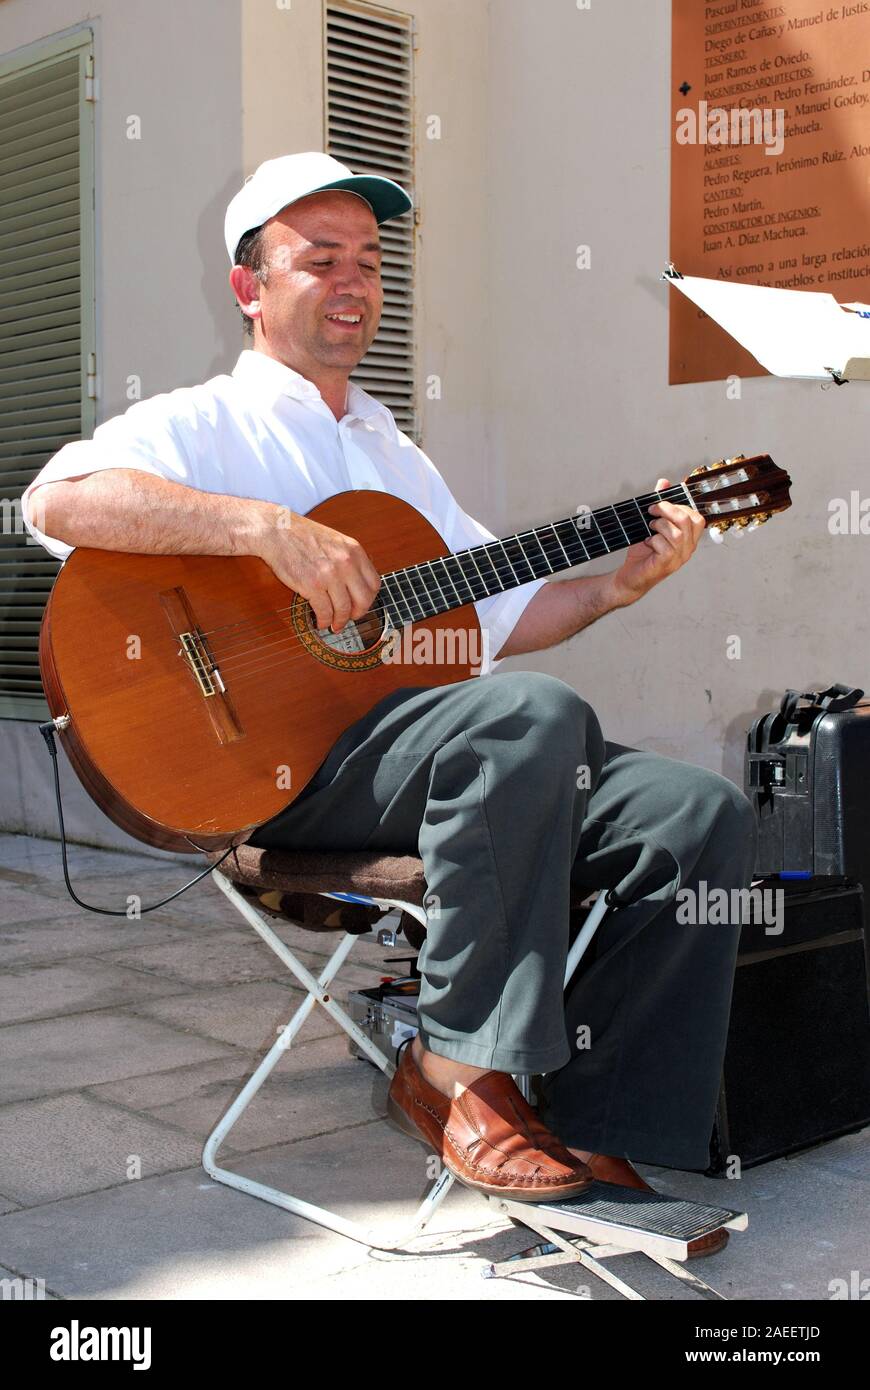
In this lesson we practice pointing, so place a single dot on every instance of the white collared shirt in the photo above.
(265, 432)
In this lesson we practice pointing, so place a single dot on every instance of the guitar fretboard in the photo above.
(420, 591)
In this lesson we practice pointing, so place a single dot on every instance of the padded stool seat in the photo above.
(291, 883)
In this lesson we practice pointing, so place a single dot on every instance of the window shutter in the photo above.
(370, 127)
(46, 322)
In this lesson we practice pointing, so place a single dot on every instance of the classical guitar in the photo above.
(195, 697)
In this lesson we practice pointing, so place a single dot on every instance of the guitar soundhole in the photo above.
(357, 646)
(357, 635)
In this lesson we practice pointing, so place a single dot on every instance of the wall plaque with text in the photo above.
(770, 159)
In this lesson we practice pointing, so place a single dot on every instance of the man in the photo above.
(482, 776)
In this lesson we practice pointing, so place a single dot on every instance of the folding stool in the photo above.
(606, 1220)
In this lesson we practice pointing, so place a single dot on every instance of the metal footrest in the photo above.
(611, 1221)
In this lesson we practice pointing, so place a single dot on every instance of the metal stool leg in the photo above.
(596, 916)
(317, 993)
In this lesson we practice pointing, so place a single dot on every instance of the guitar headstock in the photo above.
(739, 492)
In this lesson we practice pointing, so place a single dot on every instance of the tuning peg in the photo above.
(738, 458)
(717, 533)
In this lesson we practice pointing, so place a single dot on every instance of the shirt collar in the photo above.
(267, 374)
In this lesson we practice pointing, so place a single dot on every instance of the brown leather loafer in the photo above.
(619, 1170)
(489, 1137)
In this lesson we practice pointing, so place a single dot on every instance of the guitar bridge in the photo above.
(207, 676)
(193, 647)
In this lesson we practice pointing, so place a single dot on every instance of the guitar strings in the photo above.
(255, 658)
(234, 659)
(503, 569)
(262, 655)
(667, 494)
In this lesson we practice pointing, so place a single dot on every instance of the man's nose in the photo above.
(349, 279)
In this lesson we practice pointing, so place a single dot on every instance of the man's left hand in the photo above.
(676, 532)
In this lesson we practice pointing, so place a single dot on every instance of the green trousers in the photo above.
(508, 791)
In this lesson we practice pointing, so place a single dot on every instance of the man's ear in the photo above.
(246, 288)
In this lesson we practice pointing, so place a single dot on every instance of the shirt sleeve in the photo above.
(499, 614)
(146, 437)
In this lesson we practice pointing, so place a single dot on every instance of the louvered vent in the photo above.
(370, 127)
(41, 345)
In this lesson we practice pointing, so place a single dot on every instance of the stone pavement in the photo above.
(121, 1044)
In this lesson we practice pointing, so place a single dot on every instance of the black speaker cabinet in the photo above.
(797, 1064)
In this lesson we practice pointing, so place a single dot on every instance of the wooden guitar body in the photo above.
(135, 650)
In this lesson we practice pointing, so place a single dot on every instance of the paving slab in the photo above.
(177, 1237)
(75, 1143)
(226, 957)
(49, 991)
(62, 1054)
(29, 853)
(185, 1237)
(249, 1016)
(67, 936)
(111, 890)
(317, 1087)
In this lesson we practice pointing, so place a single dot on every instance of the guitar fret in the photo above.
(572, 539)
(442, 561)
(575, 522)
(508, 558)
(418, 582)
(462, 576)
(601, 535)
(483, 552)
(466, 556)
(636, 529)
(621, 527)
(407, 591)
(442, 596)
(470, 556)
(537, 540)
(520, 557)
(389, 602)
(558, 542)
(398, 598)
(644, 519)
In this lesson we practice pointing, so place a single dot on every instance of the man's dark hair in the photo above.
(251, 253)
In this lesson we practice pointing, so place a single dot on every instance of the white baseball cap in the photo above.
(279, 182)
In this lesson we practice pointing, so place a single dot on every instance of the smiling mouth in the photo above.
(346, 321)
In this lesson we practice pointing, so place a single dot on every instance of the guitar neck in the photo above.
(437, 586)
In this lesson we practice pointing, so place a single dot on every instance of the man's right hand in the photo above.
(331, 570)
